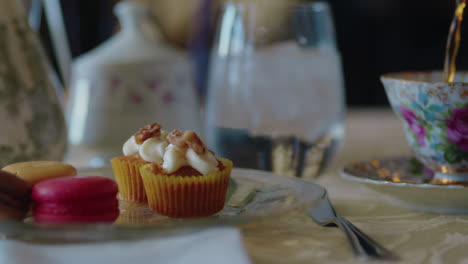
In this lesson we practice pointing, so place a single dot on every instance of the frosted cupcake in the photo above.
(189, 181)
(145, 146)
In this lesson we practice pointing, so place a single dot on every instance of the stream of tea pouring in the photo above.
(453, 42)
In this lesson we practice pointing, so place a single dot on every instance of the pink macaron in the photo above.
(76, 199)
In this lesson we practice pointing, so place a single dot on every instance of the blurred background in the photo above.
(373, 37)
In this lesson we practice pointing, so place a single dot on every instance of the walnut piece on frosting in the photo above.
(148, 131)
(188, 139)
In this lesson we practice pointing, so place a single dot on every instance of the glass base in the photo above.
(450, 178)
(283, 155)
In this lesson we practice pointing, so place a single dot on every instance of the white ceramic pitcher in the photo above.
(128, 81)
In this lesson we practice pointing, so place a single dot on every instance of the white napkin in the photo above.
(216, 245)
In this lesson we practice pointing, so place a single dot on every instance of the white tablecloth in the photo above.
(216, 245)
(416, 237)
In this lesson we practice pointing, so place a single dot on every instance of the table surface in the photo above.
(416, 237)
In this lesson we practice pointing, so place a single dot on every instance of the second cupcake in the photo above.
(189, 181)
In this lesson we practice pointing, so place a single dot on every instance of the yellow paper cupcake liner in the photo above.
(127, 175)
(186, 196)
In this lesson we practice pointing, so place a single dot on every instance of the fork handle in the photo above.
(361, 244)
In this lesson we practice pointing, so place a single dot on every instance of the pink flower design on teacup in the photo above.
(457, 128)
(414, 125)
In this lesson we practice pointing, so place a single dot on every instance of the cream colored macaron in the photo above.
(37, 171)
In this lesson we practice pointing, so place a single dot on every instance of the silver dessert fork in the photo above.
(361, 244)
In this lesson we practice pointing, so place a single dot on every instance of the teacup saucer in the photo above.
(406, 180)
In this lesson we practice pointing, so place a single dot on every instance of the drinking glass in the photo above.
(275, 94)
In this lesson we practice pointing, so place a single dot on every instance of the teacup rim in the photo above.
(394, 76)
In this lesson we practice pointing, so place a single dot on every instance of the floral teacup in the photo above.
(435, 114)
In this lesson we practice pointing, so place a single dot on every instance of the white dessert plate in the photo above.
(408, 182)
(252, 195)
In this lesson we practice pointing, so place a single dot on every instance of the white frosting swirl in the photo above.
(157, 149)
(204, 164)
(152, 149)
(175, 158)
(130, 147)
